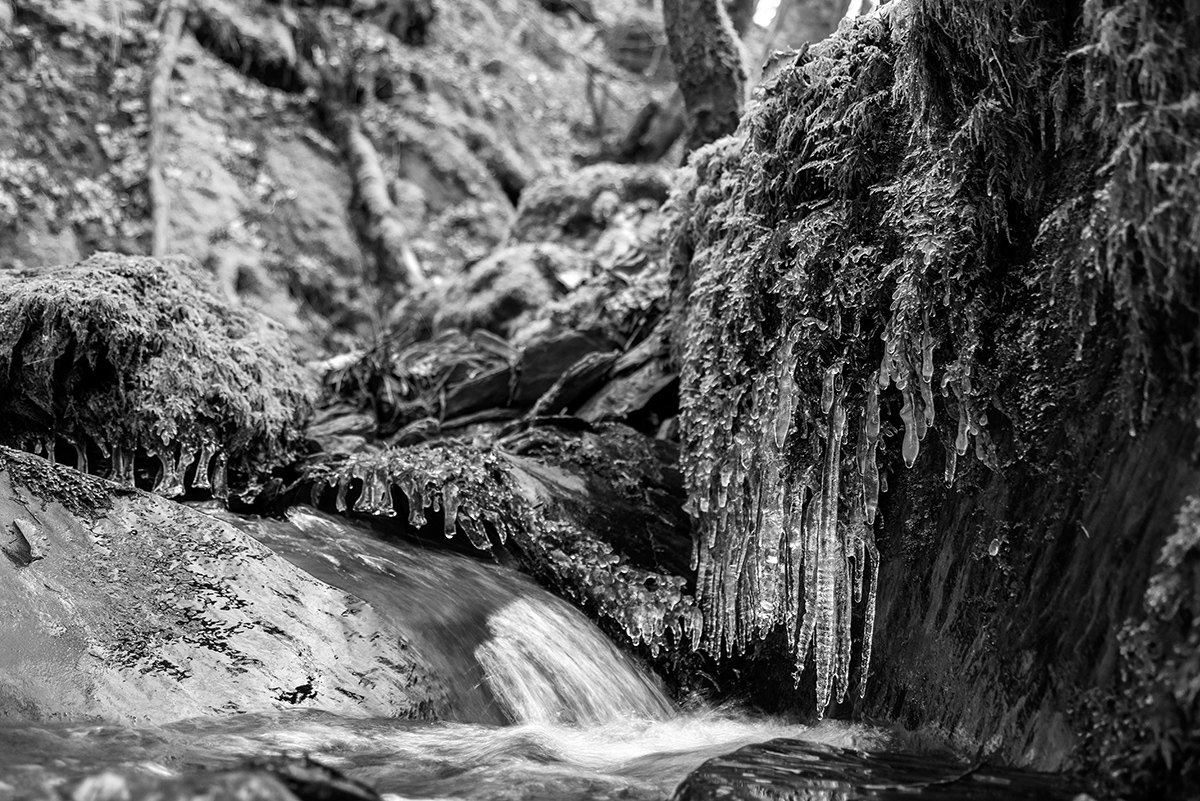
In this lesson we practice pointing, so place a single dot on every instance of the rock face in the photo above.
(125, 607)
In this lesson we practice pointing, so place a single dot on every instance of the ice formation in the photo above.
(474, 490)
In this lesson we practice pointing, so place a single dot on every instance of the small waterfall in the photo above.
(547, 663)
(508, 650)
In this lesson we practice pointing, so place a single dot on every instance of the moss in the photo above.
(1147, 733)
(893, 250)
(123, 354)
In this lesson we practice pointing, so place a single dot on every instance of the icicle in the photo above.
(725, 474)
(911, 446)
(220, 477)
(413, 488)
(927, 358)
(186, 457)
(450, 493)
(795, 560)
(376, 496)
(203, 466)
(787, 398)
(872, 414)
(842, 593)
(964, 423)
(122, 467)
(81, 460)
(770, 535)
(829, 558)
(869, 614)
(343, 489)
(858, 539)
(827, 388)
(871, 486)
(169, 483)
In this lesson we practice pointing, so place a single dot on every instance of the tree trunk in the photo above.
(798, 22)
(741, 12)
(708, 61)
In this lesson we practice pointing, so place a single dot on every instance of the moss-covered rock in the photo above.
(128, 357)
(939, 231)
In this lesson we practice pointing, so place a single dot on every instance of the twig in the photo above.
(159, 101)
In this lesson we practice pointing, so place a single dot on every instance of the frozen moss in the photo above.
(124, 356)
(894, 250)
(494, 498)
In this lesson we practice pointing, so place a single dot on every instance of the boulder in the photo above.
(125, 607)
(578, 208)
(501, 292)
(127, 358)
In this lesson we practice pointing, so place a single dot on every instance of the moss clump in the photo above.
(895, 243)
(123, 355)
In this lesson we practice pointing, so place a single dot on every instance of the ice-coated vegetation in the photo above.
(144, 370)
(848, 270)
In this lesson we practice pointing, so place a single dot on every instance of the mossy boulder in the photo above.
(127, 357)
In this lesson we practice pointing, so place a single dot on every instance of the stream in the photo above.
(542, 704)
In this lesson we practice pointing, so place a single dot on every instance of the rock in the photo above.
(271, 779)
(499, 293)
(795, 770)
(577, 209)
(141, 611)
(122, 356)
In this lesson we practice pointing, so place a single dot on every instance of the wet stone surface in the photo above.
(793, 770)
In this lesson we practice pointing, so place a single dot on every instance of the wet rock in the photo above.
(138, 610)
(120, 356)
(272, 779)
(795, 770)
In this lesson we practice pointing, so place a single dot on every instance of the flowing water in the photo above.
(542, 705)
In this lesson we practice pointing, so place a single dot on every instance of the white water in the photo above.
(633, 759)
(543, 706)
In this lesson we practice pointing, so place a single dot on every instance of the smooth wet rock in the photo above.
(795, 770)
(121, 606)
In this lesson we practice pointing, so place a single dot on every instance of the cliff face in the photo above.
(935, 315)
